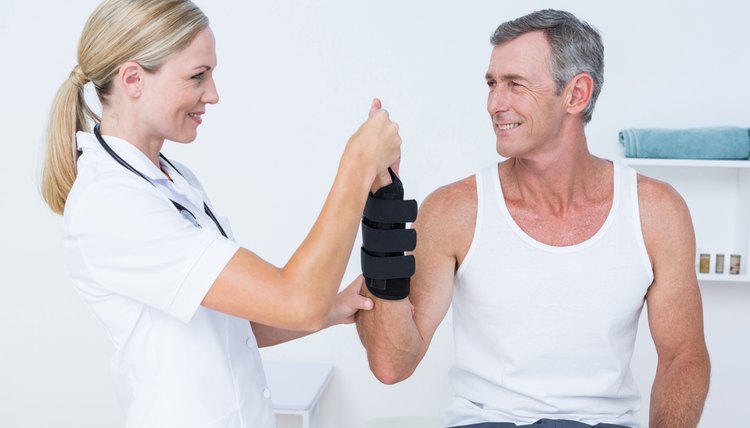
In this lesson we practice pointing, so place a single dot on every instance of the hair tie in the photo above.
(78, 76)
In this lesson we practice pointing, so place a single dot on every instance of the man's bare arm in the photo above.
(397, 333)
(675, 310)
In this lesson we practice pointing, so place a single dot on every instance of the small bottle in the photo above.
(719, 263)
(734, 264)
(705, 263)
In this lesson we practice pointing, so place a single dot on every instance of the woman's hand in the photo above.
(377, 144)
(348, 303)
(383, 178)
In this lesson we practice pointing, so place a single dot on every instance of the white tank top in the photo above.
(544, 331)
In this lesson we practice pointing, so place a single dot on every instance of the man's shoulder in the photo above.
(656, 196)
(446, 220)
(459, 195)
(664, 214)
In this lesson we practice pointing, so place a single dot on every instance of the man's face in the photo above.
(526, 113)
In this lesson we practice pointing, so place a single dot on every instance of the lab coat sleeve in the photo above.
(133, 242)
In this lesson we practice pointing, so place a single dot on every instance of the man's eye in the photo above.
(198, 76)
(491, 83)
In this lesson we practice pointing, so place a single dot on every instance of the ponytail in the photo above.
(69, 114)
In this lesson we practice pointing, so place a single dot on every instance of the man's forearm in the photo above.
(391, 338)
(679, 392)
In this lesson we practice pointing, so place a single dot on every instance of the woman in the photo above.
(143, 245)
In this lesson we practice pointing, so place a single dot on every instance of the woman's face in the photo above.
(174, 98)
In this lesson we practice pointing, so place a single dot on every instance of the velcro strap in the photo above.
(390, 211)
(388, 240)
(388, 289)
(386, 267)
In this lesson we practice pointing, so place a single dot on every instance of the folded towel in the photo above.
(699, 143)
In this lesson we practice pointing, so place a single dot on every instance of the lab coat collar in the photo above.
(180, 185)
(127, 151)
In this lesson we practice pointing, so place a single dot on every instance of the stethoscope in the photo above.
(184, 211)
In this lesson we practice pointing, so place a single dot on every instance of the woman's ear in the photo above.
(579, 90)
(131, 79)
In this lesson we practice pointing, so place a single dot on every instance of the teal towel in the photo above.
(699, 143)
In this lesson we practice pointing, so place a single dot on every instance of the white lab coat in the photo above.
(143, 269)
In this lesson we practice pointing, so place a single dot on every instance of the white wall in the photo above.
(296, 79)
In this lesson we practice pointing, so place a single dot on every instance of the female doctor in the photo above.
(147, 251)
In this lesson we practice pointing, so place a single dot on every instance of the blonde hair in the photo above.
(118, 31)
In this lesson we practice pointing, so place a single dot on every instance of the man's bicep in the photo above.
(432, 292)
(675, 315)
(675, 310)
(432, 283)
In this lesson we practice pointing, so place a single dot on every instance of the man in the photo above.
(547, 258)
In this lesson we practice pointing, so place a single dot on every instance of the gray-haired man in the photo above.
(547, 258)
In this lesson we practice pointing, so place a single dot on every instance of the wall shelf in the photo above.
(702, 163)
(717, 193)
(724, 278)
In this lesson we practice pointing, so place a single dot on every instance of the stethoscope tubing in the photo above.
(181, 208)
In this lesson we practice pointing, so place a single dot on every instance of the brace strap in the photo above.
(387, 267)
(390, 211)
(388, 240)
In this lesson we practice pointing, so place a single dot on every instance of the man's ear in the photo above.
(131, 78)
(579, 92)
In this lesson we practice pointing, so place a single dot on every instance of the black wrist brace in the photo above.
(386, 269)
